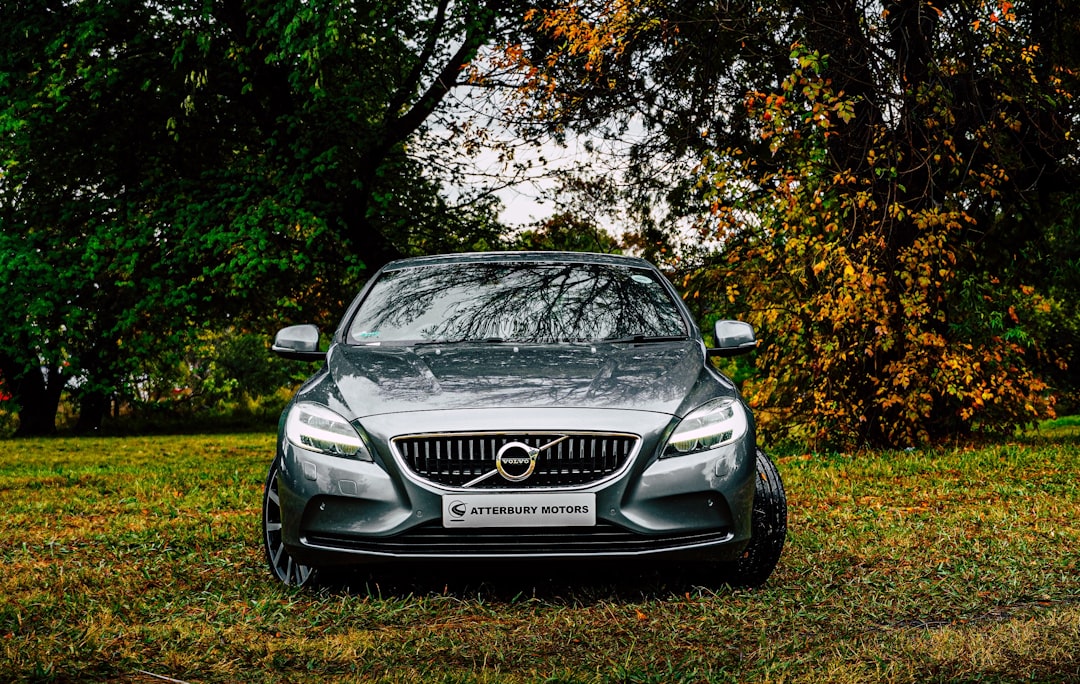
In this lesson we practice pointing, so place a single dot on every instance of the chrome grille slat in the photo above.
(457, 458)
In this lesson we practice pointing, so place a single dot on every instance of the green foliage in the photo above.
(870, 333)
(169, 167)
(877, 189)
(9, 420)
(885, 317)
(219, 366)
(141, 555)
(586, 204)
(567, 232)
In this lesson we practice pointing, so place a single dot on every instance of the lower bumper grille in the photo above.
(605, 538)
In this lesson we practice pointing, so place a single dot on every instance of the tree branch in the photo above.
(479, 32)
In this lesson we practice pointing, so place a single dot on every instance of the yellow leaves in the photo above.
(845, 110)
(845, 177)
(857, 286)
(579, 36)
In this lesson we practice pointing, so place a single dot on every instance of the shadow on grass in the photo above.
(570, 582)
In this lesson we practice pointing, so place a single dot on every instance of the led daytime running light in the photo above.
(708, 427)
(317, 428)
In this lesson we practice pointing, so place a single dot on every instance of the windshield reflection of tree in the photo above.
(516, 302)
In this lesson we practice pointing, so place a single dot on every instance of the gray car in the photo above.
(520, 405)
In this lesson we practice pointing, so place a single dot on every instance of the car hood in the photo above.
(661, 377)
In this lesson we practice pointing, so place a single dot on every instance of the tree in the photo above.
(873, 185)
(583, 203)
(567, 232)
(170, 166)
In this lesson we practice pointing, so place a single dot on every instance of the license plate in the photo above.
(519, 510)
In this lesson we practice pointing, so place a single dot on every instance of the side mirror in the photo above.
(733, 338)
(298, 342)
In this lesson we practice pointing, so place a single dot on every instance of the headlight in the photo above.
(715, 424)
(317, 428)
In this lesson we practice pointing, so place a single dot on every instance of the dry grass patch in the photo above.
(123, 557)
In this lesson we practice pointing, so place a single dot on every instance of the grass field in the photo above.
(137, 559)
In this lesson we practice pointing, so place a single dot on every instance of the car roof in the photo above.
(507, 257)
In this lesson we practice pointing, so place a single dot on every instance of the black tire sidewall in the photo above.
(768, 526)
(271, 476)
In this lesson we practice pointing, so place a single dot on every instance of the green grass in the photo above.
(134, 559)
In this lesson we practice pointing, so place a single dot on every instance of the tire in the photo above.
(768, 528)
(282, 565)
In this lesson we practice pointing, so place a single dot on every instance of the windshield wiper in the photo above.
(638, 339)
(480, 340)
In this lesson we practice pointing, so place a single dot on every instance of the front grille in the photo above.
(456, 460)
(435, 540)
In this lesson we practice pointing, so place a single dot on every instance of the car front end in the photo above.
(607, 443)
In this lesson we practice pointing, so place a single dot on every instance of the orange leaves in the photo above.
(845, 110)
(998, 13)
(587, 35)
(860, 348)
(591, 39)
(861, 271)
(805, 109)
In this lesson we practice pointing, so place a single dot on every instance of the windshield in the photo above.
(526, 302)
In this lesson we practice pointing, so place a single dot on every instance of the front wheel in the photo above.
(282, 565)
(768, 528)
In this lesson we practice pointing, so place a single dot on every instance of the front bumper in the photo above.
(338, 511)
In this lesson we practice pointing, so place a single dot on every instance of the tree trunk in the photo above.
(101, 365)
(93, 407)
(36, 391)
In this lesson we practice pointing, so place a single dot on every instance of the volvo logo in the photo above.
(516, 461)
